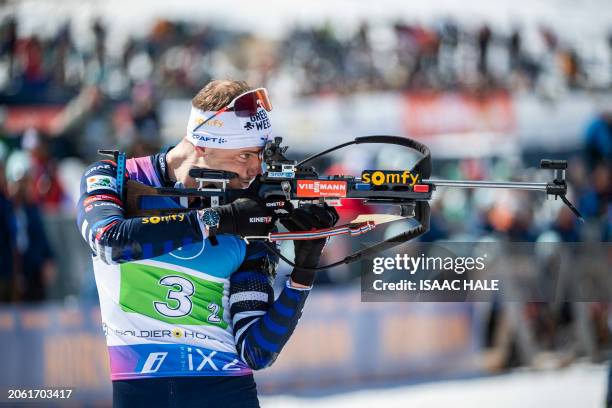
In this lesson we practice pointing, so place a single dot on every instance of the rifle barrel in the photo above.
(489, 184)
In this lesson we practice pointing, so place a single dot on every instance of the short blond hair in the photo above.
(218, 93)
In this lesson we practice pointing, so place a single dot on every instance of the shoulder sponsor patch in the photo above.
(107, 204)
(102, 197)
(101, 183)
(97, 168)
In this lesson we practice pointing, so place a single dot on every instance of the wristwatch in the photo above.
(211, 219)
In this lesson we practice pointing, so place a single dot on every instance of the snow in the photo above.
(581, 385)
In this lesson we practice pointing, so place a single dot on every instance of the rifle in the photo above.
(297, 183)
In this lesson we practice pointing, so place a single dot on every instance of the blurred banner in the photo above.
(53, 346)
(434, 113)
(42, 117)
(339, 342)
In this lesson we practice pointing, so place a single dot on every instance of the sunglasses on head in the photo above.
(245, 104)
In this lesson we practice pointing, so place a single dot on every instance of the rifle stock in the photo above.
(133, 193)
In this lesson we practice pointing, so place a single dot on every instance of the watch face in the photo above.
(211, 218)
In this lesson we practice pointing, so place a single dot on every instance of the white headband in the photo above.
(228, 131)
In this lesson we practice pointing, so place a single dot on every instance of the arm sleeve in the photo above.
(115, 239)
(262, 326)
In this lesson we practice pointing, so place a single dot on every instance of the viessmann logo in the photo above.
(312, 188)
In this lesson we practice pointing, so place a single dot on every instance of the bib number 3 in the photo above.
(181, 297)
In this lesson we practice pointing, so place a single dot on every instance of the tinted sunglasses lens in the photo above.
(264, 101)
(247, 104)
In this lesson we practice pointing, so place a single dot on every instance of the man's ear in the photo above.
(200, 151)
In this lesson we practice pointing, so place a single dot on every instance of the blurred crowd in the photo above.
(445, 55)
(177, 57)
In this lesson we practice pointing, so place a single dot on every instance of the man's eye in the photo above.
(244, 156)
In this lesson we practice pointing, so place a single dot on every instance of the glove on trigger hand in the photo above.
(245, 217)
(308, 252)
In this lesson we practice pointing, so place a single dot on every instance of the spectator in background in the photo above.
(63, 45)
(100, 42)
(47, 189)
(598, 143)
(449, 40)
(594, 201)
(359, 68)
(36, 267)
(7, 235)
(609, 394)
(8, 44)
(31, 57)
(514, 49)
(549, 37)
(607, 234)
(438, 226)
(484, 40)
(137, 124)
(570, 67)
(145, 118)
(566, 225)
(86, 123)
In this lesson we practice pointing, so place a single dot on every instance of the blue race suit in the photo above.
(172, 304)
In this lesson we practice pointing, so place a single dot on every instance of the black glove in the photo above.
(245, 217)
(308, 252)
